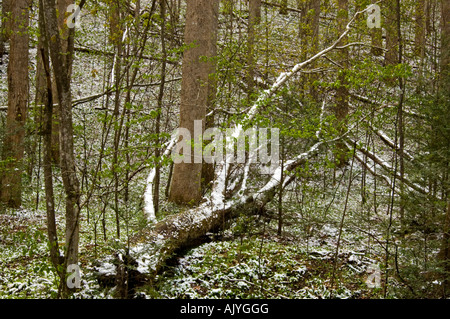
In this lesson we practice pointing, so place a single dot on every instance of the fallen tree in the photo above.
(152, 247)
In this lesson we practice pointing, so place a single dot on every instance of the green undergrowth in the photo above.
(25, 269)
(258, 268)
(242, 262)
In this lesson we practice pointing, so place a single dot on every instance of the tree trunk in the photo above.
(65, 43)
(18, 87)
(341, 107)
(401, 126)
(44, 98)
(309, 36)
(61, 68)
(391, 56)
(444, 254)
(254, 19)
(116, 36)
(420, 28)
(376, 35)
(48, 172)
(315, 25)
(160, 106)
(201, 35)
(154, 245)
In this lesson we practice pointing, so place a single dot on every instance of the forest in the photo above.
(233, 149)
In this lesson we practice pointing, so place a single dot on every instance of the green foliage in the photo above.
(251, 269)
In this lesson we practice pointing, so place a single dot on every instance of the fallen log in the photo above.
(153, 246)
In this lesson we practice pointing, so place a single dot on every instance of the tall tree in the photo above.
(18, 87)
(254, 19)
(160, 105)
(65, 34)
(309, 37)
(309, 28)
(341, 98)
(44, 99)
(46, 131)
(61, 71)
(390, 9)
(116, 37)
(420, 29)
(401, 125)
(444, 97)
(376, 35)
(198, 65)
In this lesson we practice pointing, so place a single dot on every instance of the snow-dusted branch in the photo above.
(285, 76)
(108, 91)
(262, 100)
(94, 97)
(371, 169)
(149, 207)
(322, 111)
(388, 141)
(386, 167)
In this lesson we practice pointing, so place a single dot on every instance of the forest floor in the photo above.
(237, 263)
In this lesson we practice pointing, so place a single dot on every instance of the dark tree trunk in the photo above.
(390, 9)
(160, 106)
(18, 87)
(444, 254)
(44, 98)
(341, 108)
(61, 68)
(201, 34)
(254, 19)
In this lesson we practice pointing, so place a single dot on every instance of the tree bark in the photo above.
(160, 106)
(309, 36)
(376, 35)
(444, 254)
(341, 107)
(201, 34)
(61, 68)
(18, 89)
(401, 125)
(44, 98)
(62, 6)
(420, 29)
(391, 56)
(48, 171)
(116, 36)
(153, 246)
(254, 19)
